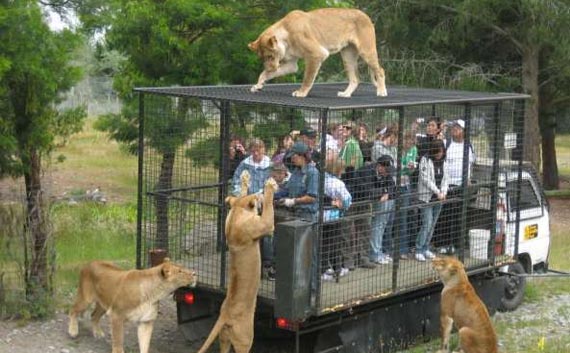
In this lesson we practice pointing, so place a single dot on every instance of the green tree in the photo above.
(522, 42)
(163, 43)
(177, 42)
(35, 70)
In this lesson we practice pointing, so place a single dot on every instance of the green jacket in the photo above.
(351, 154)
(411, 155)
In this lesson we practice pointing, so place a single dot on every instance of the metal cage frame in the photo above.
(502, 115)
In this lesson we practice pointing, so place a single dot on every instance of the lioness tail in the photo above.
(212, 336)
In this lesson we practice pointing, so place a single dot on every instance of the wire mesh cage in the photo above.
(382, 184)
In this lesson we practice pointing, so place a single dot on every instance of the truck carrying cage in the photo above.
(189, 151)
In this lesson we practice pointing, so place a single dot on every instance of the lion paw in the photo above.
(245, 178)
(344, 94)
(300, 94)
(256, 88)
(73, 329)
(382, 92)
(271, 184)
(97, 332)
(442, 351)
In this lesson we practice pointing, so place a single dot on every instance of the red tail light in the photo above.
(189, 298)
(282, 323)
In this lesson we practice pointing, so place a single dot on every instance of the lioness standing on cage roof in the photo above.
(313, 36)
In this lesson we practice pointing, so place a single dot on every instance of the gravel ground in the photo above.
(552, 313)
(51, 336)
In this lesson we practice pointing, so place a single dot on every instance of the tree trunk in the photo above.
(550, 178)
(37, 274)
(530, 71)
(163, 195)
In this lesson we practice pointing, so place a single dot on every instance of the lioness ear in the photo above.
(165, 270)
(252, 203)
(253, 45)
(272, 42)
(230, 200)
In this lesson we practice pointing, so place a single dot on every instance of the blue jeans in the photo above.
(382, 216)
(430, 214)
(404, 219)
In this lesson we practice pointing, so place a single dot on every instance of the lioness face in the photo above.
(446, 267)
(267, 48)
(178, 275)
(249, 202)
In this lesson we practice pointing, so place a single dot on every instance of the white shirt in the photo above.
(332, 144)
(454, 165)
(336, 189)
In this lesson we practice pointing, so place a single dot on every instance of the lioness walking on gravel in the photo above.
(126, 295)
(244, 229)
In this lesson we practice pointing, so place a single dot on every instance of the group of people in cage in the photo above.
(360, 186)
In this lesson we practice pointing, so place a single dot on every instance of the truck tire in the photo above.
(514, 288)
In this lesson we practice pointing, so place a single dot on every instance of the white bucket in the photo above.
(478, 243)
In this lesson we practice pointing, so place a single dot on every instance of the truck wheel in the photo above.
(514, 288)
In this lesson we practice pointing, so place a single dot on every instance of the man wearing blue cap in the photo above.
(303, 185)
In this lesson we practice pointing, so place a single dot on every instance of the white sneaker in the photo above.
(420, 257)
(384, 259)
(327, 278)
(429, 255)
(329, 271)
(343, 272)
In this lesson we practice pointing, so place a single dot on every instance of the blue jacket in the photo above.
(259, 173)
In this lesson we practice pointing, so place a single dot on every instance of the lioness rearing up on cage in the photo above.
(244, 229)
(313, 36)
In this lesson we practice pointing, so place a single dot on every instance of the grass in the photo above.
(89, 231)
(91, 160)
(560, 247)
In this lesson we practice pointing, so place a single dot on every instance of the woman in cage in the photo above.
(285, 143)
(432, 190)
(337, 200)
(407, 218)
(237, 153)
(386, 143)
(257, 164)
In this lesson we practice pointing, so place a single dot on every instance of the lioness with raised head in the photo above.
(461, 306)
(126, 295)
(244, 228)
(313, 36)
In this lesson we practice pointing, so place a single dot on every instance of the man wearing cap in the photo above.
(303, 185)
(309, 137)
(377, 184)
(448, 235)
(455, 154)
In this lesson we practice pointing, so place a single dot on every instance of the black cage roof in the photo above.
(324, 95)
